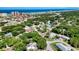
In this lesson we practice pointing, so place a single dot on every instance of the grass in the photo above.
(53, 45)
(48, 39)
(77, 48)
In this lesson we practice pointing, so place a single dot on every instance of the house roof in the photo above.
(63, 47)
(32, 46)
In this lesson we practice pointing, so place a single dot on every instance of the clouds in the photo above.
(39, 3)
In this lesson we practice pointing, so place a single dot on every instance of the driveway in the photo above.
(49, 48)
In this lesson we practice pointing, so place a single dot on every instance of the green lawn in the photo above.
(53, 45)
(48, 39)
(77, 48)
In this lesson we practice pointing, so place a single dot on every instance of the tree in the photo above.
(75, 42)
(24, 38)
(10, 41)
(19, 46)
(41, 42)
(29, 22)
(2, 44)
(16, 44)
(15, 29)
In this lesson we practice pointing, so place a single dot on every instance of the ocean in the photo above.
(35, 9)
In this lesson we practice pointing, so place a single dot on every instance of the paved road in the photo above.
(49, 48)
(65, 43)
(34, 27)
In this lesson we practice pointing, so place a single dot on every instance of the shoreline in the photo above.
(44, 12)
(38, 12)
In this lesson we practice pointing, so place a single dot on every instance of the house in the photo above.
(49, 24)
(28, 29)
(3, 14)
(3, 21)
(32, 46)
(0, 29)
(62, 18)
(11, 23)
(8, 48)
(63, 47)
(8, 35)
(57, 13)
(52, 35)
(64, 37)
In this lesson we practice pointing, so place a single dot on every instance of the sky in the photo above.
(39, 3)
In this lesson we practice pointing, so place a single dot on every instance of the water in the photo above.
(35, 9)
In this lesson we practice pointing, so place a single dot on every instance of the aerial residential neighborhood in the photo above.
(49, 31)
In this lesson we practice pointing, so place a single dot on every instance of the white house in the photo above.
(52, 35)
(64, 37)
(11, 23)
(32, 46)
(0, 29)
(3, 14)
(49, 24)
(28, 29)
(8, 48)
(8, 35)
(62, 47)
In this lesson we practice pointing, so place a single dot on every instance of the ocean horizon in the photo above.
(36, 9)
